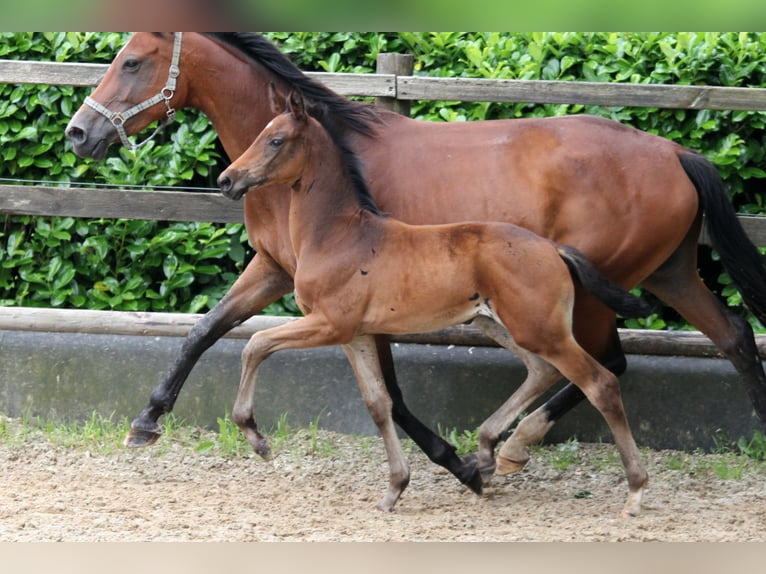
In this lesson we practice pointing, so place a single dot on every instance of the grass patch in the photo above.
(465, 442)
(105, 434)
(730, 460)
(565, 454)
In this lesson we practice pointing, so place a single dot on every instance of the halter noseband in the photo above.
(118, 119)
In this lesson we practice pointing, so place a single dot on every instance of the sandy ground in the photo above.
(171, 492)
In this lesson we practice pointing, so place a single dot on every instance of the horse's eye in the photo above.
(276, 143)
(131, 65)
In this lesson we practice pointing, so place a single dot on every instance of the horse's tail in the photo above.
(741, 259)
(609, 293)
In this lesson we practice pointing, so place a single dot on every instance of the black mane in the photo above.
(333, 111)
(336, 114)
(354, 171)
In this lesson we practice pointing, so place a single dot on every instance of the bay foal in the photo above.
(360, 273)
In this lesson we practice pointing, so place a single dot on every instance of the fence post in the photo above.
(399, 65)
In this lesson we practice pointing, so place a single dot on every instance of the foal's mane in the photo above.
(333, 111)
(353, 168)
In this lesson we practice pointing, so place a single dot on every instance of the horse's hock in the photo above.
(109, 362)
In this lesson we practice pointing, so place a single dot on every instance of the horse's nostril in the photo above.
(225, 183)
(75, 134)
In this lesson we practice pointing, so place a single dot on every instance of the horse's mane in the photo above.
(333, 111)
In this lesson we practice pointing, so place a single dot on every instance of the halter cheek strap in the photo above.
(118, 119)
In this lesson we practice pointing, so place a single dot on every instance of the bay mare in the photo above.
(360, 273)
(630, 201)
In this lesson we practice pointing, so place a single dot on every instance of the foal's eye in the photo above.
(131, 65)
(276, 143)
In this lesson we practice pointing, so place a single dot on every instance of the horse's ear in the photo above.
(277, 101)
(296, 106)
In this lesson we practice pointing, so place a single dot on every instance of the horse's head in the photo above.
(276, 156)
(139, 88)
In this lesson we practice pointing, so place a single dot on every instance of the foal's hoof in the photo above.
(470, 475)
(138, 438)
(504, 465)
(263, 448)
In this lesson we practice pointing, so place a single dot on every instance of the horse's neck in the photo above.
(325, 208)
(233, 94)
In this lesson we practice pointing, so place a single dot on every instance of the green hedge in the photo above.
(125, 265)
(186, 267)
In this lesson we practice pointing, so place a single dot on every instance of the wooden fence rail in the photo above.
(395, 89)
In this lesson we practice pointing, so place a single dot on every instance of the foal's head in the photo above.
(276, 156)
(280, 153)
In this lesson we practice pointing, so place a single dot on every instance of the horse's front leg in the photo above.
(262, 283)
(362, 353)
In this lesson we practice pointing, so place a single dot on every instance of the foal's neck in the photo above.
(325, 206)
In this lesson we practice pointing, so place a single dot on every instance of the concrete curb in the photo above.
(672, 402)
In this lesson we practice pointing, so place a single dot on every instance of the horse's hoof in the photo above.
(470, 476)
(138, 438)
(505, 466)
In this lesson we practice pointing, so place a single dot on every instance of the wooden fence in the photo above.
(393, 86)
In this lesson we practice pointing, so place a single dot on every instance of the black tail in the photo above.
(610, 294)
(742, 260)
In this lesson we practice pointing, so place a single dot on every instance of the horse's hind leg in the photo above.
(435, 447)
(259, 285)
(678, 284)
(730, 333)
(362, 353)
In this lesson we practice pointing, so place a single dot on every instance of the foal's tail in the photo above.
(610, 294)
(742, 260)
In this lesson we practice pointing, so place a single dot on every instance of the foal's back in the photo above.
(374, 274)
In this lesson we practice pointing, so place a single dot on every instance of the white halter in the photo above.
(118, 119)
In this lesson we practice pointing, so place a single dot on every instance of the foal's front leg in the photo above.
(305, 333)
(362, 354)
(261, 283)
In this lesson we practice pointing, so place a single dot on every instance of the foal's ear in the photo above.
(277, 101)
(296, 106)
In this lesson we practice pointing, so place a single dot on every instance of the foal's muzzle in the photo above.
(234, 187)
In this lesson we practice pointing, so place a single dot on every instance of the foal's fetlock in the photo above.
(259, 442)
(262, 448)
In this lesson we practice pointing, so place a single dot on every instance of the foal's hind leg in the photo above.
(595, 330)
(603, 391)
(362, 354)
(541, 375)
